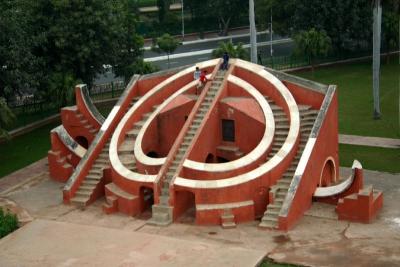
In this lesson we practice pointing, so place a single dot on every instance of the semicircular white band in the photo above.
(69, 142)
(258, 151)
(113, 152)
(339, 188)
(210, 167)
(139, 154)
(277, 158)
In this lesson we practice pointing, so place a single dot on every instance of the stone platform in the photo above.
(62, 235)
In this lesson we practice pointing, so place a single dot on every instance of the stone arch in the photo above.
(146, 195)
(209, 158)
(328, 173)
(185, 206)
(83, 141)
(153, 154)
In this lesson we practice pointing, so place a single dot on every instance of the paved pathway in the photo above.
(369, 141)
(23, 175)
(62, 235)
(51, 243)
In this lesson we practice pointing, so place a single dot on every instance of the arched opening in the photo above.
(185, 207)
(260, 199)
(328, 174)
(146, 202)
(210, 158)
(152, 154)
(82, 141)
(221, 160)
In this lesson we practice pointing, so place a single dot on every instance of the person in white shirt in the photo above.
(196, 74)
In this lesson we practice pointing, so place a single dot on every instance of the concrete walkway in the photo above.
(62, 235)
(369, 141)
(51, 243)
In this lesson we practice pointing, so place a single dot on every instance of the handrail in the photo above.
(181, 135)
(98, 143)
(82, 97)
(68, 141)
(333, 190)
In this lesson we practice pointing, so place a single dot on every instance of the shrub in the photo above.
(8, 223)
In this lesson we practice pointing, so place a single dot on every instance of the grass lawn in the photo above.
(355, 97)
(371, 158)
(25, 149)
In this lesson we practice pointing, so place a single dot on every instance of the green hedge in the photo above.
(8, 223)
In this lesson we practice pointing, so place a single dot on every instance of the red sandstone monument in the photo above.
(255, 143)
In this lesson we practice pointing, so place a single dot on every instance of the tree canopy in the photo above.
(46, 45)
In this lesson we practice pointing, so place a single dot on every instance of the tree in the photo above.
(235, 51)
(166, 44)
(282, 15)
(129, 53)
(225, 10)
(6, 117)
(390, 31)
(345, 22)
(20, 69)
(312, 44)
(163, 8)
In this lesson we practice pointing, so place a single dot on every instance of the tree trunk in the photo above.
(225, 25)
(376, 57)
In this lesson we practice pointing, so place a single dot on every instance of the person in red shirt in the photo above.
(202, 80)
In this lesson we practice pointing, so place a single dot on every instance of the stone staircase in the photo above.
(126, 149)
(307, 119)
(228, 219)
(95, 174)
(92, 179)
(86, 124)
(281, 127)
(162, 212)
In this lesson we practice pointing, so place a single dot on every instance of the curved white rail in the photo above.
(69, 142)
(114, 158)
(277, 158)
(339, 188)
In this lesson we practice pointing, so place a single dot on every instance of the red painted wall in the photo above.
(322, 150)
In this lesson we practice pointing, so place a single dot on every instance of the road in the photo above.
(178, 60)
(195, 51)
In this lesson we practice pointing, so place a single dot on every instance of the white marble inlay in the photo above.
(114, 159)
(276, 159)
(258, 151)
(231, 205)
(110, 118)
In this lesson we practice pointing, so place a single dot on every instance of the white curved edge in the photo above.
(258, 151)
(339, 188)
(276, 159)
(87, 101)
(139, 154)
(113, 152)
(69, 142)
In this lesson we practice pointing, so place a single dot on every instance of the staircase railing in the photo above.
(173, 151)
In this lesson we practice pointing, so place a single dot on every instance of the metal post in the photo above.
(112, 89)
(376, 56)
(183, 22)
(271, 51)
(253, 34)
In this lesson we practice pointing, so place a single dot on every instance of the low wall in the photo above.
(53, 118)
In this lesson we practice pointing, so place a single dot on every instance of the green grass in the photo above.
(8, 222)
(355, 97)
(371, 158)
(25, 149)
